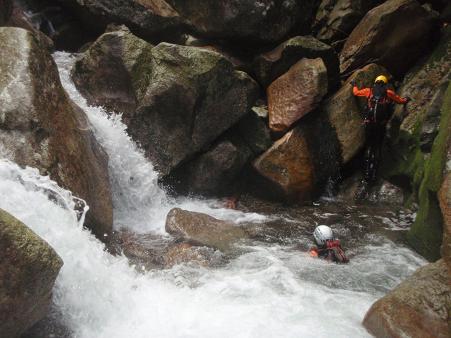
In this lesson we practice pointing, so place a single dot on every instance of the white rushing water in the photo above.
(269, 291)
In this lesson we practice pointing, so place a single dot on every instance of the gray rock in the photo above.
(28, 270)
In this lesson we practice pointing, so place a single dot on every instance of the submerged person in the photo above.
(327, 247)
(380, 100)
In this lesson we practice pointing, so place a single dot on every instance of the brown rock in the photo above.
(296, 93)
(386, 36)
(202, 229)
(298, 165)
(417, 308)
(28, 270)
(344, 111)
(270, 65)
(41, 127)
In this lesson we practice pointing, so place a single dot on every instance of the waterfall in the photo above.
(267, 291)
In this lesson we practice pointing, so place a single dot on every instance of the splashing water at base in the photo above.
(271, 291)
(139, 203)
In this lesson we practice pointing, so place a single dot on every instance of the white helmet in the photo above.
(322, 234)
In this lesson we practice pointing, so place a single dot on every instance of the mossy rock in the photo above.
(28, 270)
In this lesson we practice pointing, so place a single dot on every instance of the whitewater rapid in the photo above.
(268, 291)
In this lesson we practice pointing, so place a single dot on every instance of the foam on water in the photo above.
(269, 291)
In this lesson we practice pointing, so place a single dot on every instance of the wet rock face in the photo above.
(335, 19)
(269, 66)
(213, 172)
(387, 37)
(417, 308)
(28, 270)
(152, 19)
(296, 93)
(445, 205)
(185, 253)
(246, 20)
(41, 127)
(202, 229)
(298, 165)
(344, 111)
(108, 73)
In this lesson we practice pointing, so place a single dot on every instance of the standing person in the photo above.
(327, 247)
(378, 111)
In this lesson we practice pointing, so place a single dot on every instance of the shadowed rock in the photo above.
(269, 66)
(387, 36)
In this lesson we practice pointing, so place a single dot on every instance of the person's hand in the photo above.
(408, 99)
(353, 83)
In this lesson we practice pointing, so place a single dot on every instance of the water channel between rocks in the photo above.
(265, 287)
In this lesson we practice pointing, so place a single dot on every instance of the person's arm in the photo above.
(396, 98)
(365, 92)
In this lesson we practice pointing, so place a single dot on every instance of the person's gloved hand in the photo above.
(353, 83)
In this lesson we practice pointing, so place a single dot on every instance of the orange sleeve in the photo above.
(398, 99)
(366, 92)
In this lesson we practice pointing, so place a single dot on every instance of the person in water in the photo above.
(380, 100)
(327, 247)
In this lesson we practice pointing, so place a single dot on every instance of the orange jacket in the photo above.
(367, 92)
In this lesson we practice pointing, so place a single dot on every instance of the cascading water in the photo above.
(267, 291)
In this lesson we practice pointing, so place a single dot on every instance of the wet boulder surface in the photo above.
(28, 270)
(41, 127)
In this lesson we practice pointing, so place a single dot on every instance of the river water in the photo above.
(268, 288)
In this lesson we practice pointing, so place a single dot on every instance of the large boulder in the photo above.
(297, 167)
(344, 111)
(254, 130)
(214, 172)
(202, 229)
(270, 65)
(41, 127)
(386, 36)
(28, 270)
(151, 19)
(296, 93)
(335, 19)
(417, 308)
(185, 97)
(110, 72)
(247, 21)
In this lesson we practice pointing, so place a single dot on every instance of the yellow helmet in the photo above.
(381, 78)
